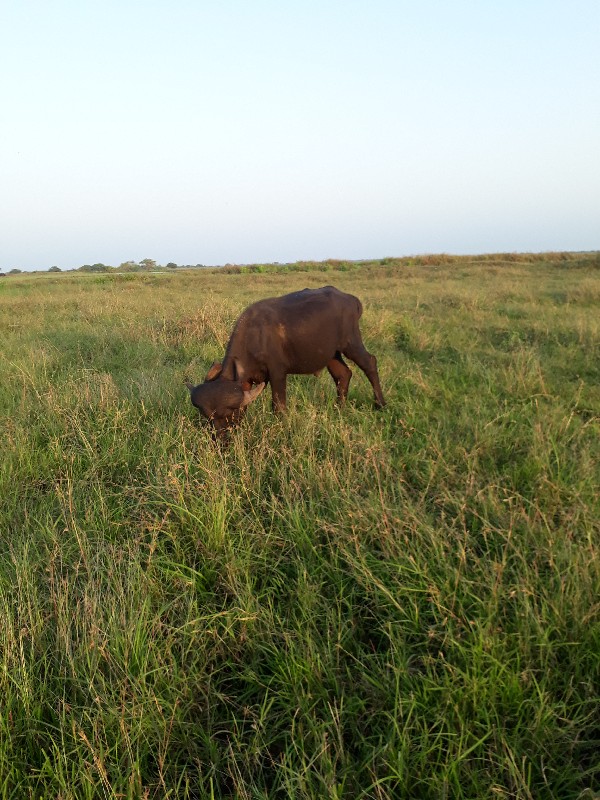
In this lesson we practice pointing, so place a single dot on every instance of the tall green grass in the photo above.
(342, 604)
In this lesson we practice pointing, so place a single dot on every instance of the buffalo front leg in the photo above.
(278, 391)
(358, 353)
(341, 374)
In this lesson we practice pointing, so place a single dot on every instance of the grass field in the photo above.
(354, 604)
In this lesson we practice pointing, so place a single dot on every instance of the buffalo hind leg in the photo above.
(341, 374)
(357, 352)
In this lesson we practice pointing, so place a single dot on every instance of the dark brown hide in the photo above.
(299, 334)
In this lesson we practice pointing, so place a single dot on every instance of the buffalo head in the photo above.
(221, 401)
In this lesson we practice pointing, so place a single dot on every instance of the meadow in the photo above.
(342, 603)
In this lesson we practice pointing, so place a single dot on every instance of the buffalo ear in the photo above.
(190, 386)
(213, 372)
(252, 394)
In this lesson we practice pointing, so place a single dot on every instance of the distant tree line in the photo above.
(145, 265)
(343, 265)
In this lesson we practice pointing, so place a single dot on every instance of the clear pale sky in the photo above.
(254, 130)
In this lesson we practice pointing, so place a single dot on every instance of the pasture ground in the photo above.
(354, 604)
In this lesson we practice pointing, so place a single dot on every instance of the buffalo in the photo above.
(297, 334)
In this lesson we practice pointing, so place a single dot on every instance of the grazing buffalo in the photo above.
(299, 334)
